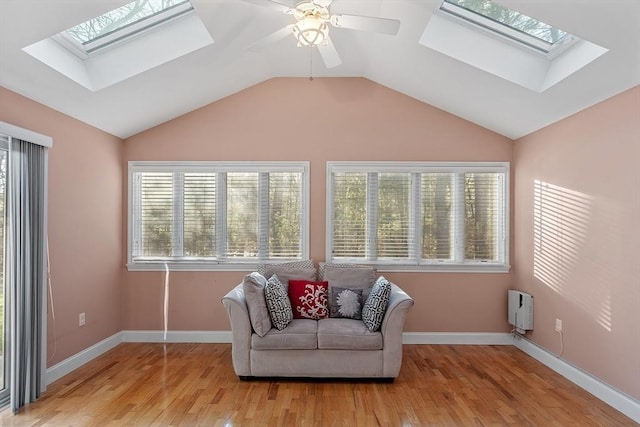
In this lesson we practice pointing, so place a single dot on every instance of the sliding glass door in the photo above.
(4, 365)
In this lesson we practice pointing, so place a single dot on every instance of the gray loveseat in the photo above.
(325, 348)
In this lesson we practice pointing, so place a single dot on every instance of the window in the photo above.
(419, 216)
(120, 24)
(508, 23)
(124, 42)
(4, 315)
(216, 215)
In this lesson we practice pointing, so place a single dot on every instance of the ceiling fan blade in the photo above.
(284, 8)
(329, 54)
(366, 23)
(271, 38)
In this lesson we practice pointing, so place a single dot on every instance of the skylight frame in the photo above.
(508, 32)
(123, 33)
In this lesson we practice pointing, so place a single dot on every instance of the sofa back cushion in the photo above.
(253, 286)
(358, 277)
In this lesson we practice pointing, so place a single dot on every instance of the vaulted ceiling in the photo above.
(398, 62)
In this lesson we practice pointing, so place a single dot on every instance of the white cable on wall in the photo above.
(166, 299)
(53, 311)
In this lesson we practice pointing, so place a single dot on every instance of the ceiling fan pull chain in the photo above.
(310, 63)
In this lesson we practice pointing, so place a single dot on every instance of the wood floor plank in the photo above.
(142, 384)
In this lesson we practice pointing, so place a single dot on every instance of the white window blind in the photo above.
(349, 214)
(243, 215)
(418, 215)
(199, 214)
(155, 207)
(216, 215)
(284, 231)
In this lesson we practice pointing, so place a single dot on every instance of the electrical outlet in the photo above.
(81, 319)
(558, 325)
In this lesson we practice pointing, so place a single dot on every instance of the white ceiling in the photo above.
(398, 62)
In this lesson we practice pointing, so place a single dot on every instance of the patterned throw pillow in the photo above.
(376, 304)
(307, 264)
(302, 270)
(344, 302)
(278, 303)
(309, 299)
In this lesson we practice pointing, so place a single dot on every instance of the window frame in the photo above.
(417, 263)
(218, 167)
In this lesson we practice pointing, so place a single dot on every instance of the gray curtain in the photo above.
(25, 268)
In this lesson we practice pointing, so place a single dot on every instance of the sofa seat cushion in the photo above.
(300, 334)
(347, 334)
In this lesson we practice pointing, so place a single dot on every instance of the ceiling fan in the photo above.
(312, 26)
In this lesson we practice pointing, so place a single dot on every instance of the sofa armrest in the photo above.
(238, 312)
(391, 329)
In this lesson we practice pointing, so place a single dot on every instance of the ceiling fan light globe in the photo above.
(311, 31)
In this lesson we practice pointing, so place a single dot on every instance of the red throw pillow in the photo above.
(309, 299)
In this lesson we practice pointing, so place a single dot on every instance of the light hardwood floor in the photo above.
(194, 384)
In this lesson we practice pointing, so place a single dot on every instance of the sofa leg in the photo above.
(245, 377)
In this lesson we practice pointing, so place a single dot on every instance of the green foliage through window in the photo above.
(208, 212)
(418, 214)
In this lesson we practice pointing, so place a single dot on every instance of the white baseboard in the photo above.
(72, 363)
(614, 398)
(462, 338)
(177, 336)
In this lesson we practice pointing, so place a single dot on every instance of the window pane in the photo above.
(119, 18)
(242, 215)
(482, 195)
(3, 186)
(513, 19)
(285, 215)
(393, 215)
(156, 212)
(437, 215)
(199, 214)
(349, 215)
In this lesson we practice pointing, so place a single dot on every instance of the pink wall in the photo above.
(85, 224)
(577, 226)
(318, 121)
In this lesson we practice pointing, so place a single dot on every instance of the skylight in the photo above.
(508, 23)
(507, 43)
(123, 43)
(122, 23)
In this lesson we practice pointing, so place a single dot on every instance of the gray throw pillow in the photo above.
(253, 285)
(278, 303)
(376, 304)
(344, 302)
